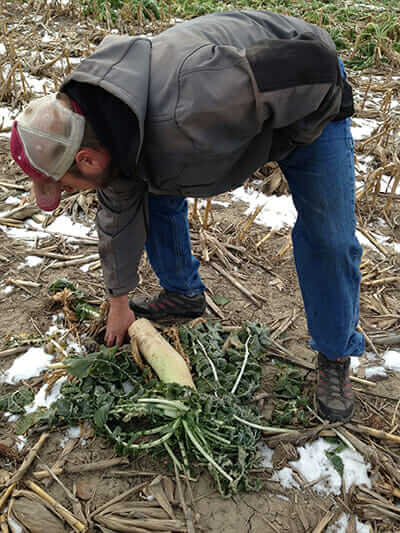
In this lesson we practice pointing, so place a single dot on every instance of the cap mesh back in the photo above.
(51, 135)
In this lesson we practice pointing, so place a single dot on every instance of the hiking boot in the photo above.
(334, 394)
(169, 304)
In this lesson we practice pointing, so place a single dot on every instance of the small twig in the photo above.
(366, 234)
(234, 282)
(363, 381)
(377, 433)
(285, 325)
(10, 185)
(389, 340)
(265, 238)
(118, 498)
(395, 413)
(3, 524)
(73, 262)
(13, 351)
(89, 467)
(291, 357)
(6, 494)
(67, 515)
(324, 522)
(336, 431)
(210, 302)
(368, 340)
(28, 460)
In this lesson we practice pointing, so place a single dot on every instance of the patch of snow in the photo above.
(74, 432)
(31, 261)
(354, 364)
(362, 128)
(20, 442)
(392, 360)
(285, 478)
(8, 289)
(26, 366)
(54, 330)
(314, 464)
(266, 454)
(63, 224)
(43, 398)
(375, 371)
(278, 211)
(73, 346)
(341, 525)
(12, 200)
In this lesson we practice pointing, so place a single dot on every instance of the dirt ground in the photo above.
(268, 272)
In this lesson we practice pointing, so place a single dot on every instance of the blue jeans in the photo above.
(168, 245)
(326, 250)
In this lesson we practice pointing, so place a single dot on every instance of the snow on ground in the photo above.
(392, 360)
(380, 239)
(341, 525)
(6, 117)
(362, 128)
(74, 432)
(313, 465)
(63, 224)
(30, 261)
(278, 211)
(45, 398)
(28, 365)
(375, 371)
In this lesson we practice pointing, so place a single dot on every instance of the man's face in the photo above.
(78, 181)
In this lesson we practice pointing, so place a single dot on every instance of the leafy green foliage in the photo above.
(333, 454)
(367, 32)
(107, 389)
(61, 284)
(110, 9)
(291, 406)
(336, 461)
(30, 420)
(226, 352)
(15, 401)
(81, 308)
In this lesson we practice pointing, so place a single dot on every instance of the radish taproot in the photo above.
(168, 364)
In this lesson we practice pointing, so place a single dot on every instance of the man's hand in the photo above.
(120, 317)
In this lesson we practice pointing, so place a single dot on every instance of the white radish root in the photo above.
(167, 363)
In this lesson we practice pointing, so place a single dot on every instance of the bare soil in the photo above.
(269, 274)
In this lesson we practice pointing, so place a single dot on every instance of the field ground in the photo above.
(35, 33)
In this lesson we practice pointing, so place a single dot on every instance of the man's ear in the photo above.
(91, 161)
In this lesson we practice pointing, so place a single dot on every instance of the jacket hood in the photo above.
(121, 66)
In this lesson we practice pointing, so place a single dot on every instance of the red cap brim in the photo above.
(48, 194)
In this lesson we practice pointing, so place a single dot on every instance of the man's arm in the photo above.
(122, 229)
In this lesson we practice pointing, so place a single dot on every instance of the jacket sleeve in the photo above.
(122, 229)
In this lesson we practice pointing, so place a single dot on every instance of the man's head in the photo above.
(48, 141)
